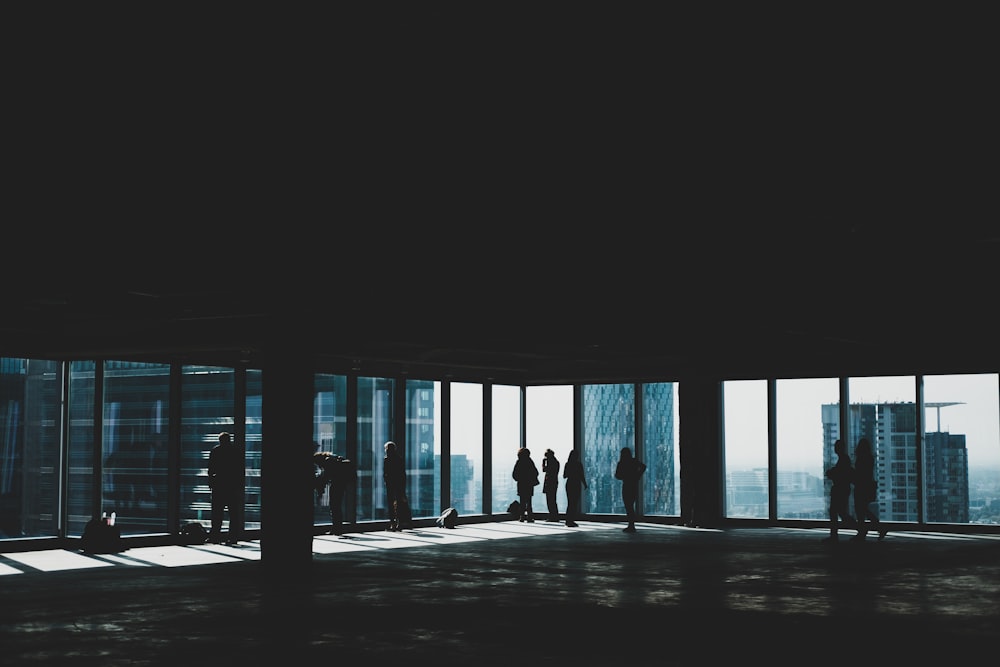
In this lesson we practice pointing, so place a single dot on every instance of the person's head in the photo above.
(572, 455)
(839, 448)
(390, 448)
(626, 453)
(524, 451)
(225, 438)
(549, 454)
(864, 447)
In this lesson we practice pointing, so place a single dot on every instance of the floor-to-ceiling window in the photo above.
(548, 415)
(30, 400)
(608, 427)
(82, 463)
(961, 438)
(135, 440)
(208, 407)
(423, 476)
(467, 447)
(330, 435)
(253, 447)
(745, 436)
(808, 423)
(506, 441)
(375, 427)
(660, 449)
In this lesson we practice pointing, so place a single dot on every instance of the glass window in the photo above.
(253, 448)
(506, 441)
(467, 448)
(962, 448)
(82, 440)
(745, 436)
(375, 428)
(134, 445)
(608, 427)
(660, 424)
(548, 415)
(884, 410)
(208, 402)
(330, 435)
(808, 423)
(423, 476)
(30, 401)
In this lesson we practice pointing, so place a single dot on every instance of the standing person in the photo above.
(526, 475)
(340, 473)
(226, 478)
(865, 490)
(575, 479)
(394, 476)
(550, 483)
(629, 470)
(841, 474)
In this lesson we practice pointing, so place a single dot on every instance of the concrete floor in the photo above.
(508, 592)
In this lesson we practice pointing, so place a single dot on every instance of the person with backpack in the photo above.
(340, 474)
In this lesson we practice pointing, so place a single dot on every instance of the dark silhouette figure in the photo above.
(842, 475)
(865, 490)
(576, 481)
(226, 478)
(550, 483)
(394, 476)
(526, 475)
(629, 470)
(341, 475)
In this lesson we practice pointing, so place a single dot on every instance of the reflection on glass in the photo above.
(608, 427)
(423, 476)
(506, 440)
(329, 435)
(81, 446)
(745, 433)
(208, 403)
(134, 445)
(253, 446)
(660, 423)
(29, 447)
(467, 448)
(375, 428)
(962, 448)
(808, 423)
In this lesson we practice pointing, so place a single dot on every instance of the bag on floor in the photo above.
(515, 508)
(448, 518)
(100, 536)
(193, 533)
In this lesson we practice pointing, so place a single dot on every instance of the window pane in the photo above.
(549, 425)
(660, 425)
(330, 435)
(207, 409)
(884, 410)
(467, 448)
(608, 427)
(375, 428)
(808, 423)
(745, 429)
(134, 444)
(423, 478)
(253, 448)
(81, 446)
(962, 448)
(30, 400)
(506, 440)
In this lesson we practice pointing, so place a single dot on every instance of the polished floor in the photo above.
(511, 593)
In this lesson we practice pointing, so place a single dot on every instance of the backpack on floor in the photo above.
(100, 536)
(448, 518)
(515, 508)
(193, 533)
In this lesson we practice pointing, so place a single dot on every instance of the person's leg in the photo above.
(236, 517)
(218, 507)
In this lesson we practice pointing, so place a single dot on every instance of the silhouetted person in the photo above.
(629, 470)
(394, 476)
(550, 483)
(842, 475)
(576, 481)
(865, 490)
(226, 478)
(526, 475)
(341, 475)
